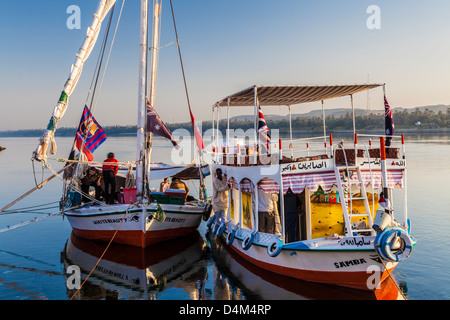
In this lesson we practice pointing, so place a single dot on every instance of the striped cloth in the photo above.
(325, 179)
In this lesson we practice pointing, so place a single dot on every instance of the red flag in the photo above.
(197, 133)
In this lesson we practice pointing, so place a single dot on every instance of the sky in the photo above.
(227, 46)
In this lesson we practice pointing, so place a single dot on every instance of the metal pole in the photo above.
(256, 113)
(228, 127)
(353, 115)
(324, 127)
(291, 146)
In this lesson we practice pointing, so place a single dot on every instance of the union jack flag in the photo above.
(388, 121)
(263, 130)
(90, 135)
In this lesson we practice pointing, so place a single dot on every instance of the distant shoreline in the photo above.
(431, 119)
(34, 133)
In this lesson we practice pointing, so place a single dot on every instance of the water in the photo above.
(34, 258)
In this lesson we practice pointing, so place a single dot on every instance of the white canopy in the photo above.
(290, 95)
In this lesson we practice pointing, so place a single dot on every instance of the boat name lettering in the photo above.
(168, 219)
(348, 263)
(304, 166)
(118, 220)
(354, 242)
(376, 162)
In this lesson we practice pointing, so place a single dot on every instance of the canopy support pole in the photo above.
(228, 127)
(353, 115)
(256, 113)
(212, 129)
(291, 146)
(324, 126)
(217, 137)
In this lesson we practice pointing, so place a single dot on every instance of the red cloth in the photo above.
(111, 164)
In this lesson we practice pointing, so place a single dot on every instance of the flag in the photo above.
(263, 130)
(197, 133)
(388, 121)
(90, 135)
(157, 126)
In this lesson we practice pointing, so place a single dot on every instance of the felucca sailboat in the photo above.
(145, 217)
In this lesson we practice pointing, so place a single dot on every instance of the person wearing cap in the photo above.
(109, 169)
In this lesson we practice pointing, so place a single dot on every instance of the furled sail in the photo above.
(75, 73)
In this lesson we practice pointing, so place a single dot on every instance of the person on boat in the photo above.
(220, 196)
(180, 185)
(266, 212)
(92, 178)
(110, 168)
(165, 184)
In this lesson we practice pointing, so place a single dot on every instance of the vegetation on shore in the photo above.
(403, 120)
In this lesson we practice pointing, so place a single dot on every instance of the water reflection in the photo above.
(133, 273)
(240, 278)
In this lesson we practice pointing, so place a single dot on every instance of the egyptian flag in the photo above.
(388, 122)
(263, 130)
(157, 126)
(90, 135)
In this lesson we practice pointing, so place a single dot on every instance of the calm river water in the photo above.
(34, 258)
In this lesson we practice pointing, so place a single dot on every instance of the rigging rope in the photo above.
(30, 191)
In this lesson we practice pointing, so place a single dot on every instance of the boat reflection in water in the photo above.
(132, 273)
(264, 285)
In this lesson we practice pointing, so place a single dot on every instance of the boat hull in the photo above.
(135, 226)
(349, 262)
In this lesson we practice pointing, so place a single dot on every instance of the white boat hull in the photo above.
(133, 225)
(349, 261)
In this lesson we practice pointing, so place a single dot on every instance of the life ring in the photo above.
(221, 229)
(230, 237)
(248, 241)
(211, 221)
(386, 240)
(274, 248)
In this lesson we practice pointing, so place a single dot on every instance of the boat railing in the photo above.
(305, 149)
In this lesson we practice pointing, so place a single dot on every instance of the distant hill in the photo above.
(337, 119)
(339, 112)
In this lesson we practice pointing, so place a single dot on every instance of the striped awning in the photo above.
(326, 180)
(291, 95)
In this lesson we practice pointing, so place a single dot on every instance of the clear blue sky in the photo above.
(227, 46)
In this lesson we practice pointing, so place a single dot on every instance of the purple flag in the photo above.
(157, 126)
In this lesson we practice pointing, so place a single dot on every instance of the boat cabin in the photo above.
(313, 187)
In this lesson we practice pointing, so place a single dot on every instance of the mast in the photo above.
(153, 73)
(141, 121)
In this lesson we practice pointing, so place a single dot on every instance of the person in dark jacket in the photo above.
(92, 178)
(110, 168)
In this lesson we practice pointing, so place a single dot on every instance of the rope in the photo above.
(8, 228)
(101, 257)
(29, 192)
(109, 54)
(389, 274)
